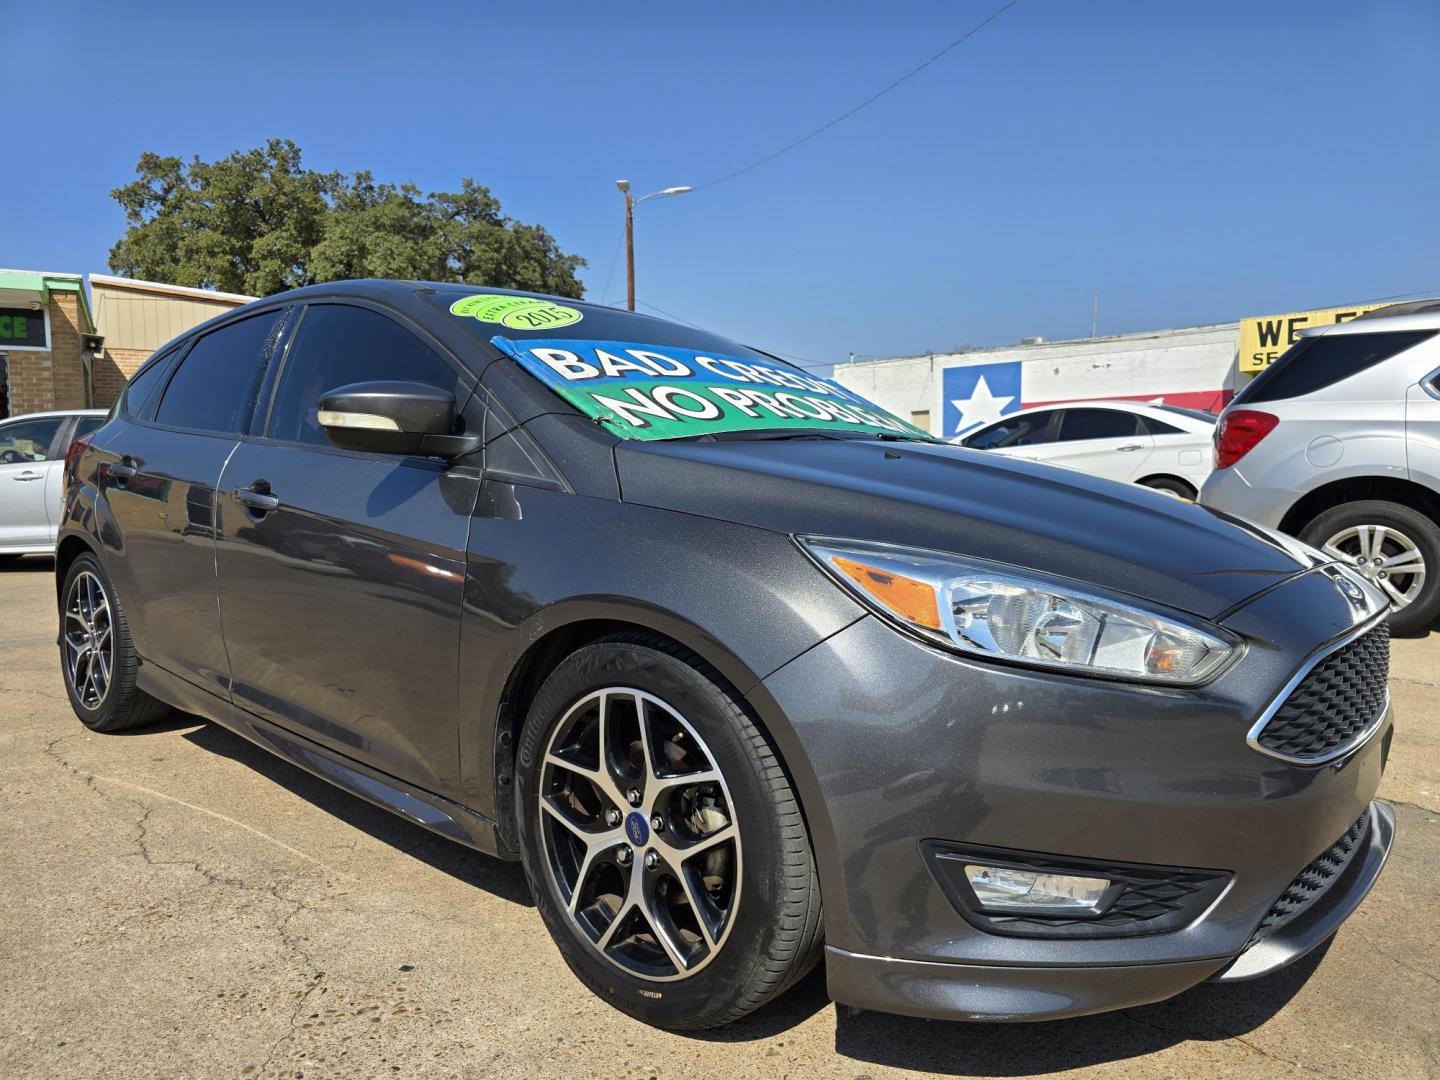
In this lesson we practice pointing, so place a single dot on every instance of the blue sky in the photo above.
(1192, 162)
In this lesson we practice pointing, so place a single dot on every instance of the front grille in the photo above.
(1335, 704)
(1314, 881)
(1151, 900)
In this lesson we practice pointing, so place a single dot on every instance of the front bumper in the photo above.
(893, 743)
(993, 992)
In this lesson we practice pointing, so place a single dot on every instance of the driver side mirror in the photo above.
(393, 418)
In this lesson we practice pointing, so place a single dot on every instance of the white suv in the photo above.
(1338, 443)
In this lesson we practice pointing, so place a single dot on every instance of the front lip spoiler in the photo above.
(1315, 926)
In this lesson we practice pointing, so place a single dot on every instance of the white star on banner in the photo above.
(981, 407)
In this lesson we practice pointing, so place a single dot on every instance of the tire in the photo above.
(119, 704)
(1171, 486)
(767, 933)
(1408, 535)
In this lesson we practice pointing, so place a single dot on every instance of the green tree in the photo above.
(258, 222)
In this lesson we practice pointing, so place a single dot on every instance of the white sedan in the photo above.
(32, 458)
(1161, 446)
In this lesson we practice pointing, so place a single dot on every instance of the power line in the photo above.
(868, 101)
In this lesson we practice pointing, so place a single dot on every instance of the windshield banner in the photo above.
(663, 392)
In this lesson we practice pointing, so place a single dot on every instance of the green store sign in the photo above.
(22, 328)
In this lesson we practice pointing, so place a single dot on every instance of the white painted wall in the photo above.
(1160, 362)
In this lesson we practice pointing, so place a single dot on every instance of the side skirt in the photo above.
(424, 808)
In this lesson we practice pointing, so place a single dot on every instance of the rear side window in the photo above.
(214, 390)
(1314, 363)
(1158, 427)
(1097, 424)
(338, 345)
(138, 392)
(88, 425)
(1016, 431)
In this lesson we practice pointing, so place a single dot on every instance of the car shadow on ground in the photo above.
(1208, 1013)
(27, 564)
(496, 876)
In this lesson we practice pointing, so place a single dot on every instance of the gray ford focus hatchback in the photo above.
(748, 673)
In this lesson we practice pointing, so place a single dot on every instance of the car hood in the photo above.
(1120, 537)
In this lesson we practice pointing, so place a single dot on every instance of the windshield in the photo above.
(650, 379)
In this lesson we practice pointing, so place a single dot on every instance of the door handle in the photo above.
(262, 502)
(30, 476)
(121, 472)
(1128, 448)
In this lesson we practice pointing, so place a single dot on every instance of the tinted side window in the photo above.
(29, 440)
(338, 345)
(86, 425)
(1158, 427)
(138, 392)
(214, 389)
(1096, 424)
(1317, 362)
(1017, 431)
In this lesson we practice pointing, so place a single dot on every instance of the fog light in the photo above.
(999, 888)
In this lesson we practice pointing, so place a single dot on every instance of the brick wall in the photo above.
(67, 361)
(111, 371)
(50, 380)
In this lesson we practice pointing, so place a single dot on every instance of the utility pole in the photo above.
(1094, 312)
(630, 204)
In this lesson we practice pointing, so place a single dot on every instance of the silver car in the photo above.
(32, 458)
(1338, 443)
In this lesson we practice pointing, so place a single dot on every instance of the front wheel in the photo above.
(663, 843)
(1394, 546)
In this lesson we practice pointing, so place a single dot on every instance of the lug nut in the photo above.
(634, 796)
(1382, 575)
(657, 823)
(623, 856)
(652, 860)
(612, 817)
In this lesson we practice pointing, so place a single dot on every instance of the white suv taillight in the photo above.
(1239, 432)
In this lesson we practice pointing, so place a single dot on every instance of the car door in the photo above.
(1101, 442)
(341, 573)
(158, 475)
(30, 453)
(1176, 451)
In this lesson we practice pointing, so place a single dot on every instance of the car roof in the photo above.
(56, 412)
(1148, 408)
(1422, 315)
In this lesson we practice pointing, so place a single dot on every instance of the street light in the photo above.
(630, 204)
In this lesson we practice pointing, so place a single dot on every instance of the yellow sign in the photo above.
(1264, 337)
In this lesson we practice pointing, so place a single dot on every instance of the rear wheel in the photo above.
(97, 660)
(1171, 486)
(661, 838)
(1394, 546)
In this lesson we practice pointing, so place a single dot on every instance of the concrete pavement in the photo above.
(176, 903)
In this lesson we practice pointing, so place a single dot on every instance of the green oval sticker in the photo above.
(515, 312)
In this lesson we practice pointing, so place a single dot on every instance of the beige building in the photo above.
(62, 347)
(137, 317)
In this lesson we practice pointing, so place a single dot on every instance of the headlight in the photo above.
(1008, 613)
